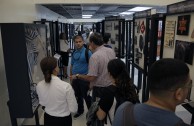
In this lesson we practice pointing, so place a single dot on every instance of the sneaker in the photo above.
(77, 115)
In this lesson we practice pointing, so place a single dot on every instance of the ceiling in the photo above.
(99, 11)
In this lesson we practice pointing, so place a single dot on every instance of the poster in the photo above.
(36, 50)
(169, 34)
(183, 25)
(184, 51)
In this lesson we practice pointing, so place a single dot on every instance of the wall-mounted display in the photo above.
(184, 51)
(169, 33)
(183, 25)
(28, 48)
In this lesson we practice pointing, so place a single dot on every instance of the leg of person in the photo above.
(79, 98)
(66, 62)
(84, 86)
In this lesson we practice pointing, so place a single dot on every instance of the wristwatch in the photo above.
(77, 76)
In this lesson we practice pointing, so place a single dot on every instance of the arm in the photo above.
(86, 77)
(100, 114)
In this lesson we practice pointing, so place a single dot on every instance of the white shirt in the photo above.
(64, 45)
(57, 97)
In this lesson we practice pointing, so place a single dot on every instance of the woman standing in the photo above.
(65, 49)
(114, 95)
(55, 95)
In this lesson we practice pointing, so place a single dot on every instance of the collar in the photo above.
(98, 48)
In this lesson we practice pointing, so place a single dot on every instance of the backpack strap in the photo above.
(86, 55)
(109, 118)
(129, 119)
(124, 115)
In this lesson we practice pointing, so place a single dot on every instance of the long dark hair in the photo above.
(126, 89)
(48, 64)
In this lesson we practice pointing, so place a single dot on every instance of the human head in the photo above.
(116, 67)
(63, 36)
(167, 76)
(79, 41)
(96, 38)
(49, 66)
(106, 37)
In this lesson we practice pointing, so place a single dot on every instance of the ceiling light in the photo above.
(126, 13)
(86, 15)
(139, 8)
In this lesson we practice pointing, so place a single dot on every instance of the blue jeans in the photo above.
(81, 88)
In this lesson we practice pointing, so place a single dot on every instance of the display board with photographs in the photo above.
(139, 41)
(36, 50)
(112, 27)
(169, 34)
(24, 46)
(183, 48)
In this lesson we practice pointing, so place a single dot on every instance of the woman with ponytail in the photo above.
(55, 95)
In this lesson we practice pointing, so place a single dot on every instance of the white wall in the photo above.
(169, 52)
(24, 11)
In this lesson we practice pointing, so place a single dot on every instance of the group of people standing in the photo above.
(106, 76)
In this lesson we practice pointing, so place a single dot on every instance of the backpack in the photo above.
(86, 55)
(91, 118)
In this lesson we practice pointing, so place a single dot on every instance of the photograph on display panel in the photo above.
(169, 34)
(183, 25)
(36, 50)
(184, 51)
(112, 27)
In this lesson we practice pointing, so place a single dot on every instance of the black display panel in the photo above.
(24, 45)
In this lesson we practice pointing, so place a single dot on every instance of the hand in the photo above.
(73, 77)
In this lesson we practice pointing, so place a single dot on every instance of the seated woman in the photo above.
(122, 90)
(55, 95)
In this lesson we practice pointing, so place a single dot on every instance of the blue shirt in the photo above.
(78, 61)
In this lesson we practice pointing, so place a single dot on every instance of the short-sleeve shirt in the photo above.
(78, 61)
(152, 116)
(98, 66)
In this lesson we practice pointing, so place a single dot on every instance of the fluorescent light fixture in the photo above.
(86, 15)
(126, 13)
(139, 8)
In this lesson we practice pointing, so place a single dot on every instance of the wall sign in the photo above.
(169, 34)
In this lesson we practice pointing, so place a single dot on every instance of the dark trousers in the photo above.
(57, 121)
(81, 88)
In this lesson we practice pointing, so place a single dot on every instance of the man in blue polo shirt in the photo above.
(79, 65)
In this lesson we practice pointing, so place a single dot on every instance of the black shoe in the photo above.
(77, 115)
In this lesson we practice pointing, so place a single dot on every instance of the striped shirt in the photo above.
(98, 66)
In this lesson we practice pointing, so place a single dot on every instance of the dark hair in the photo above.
(62, 35)
(48, 64)
(77, 36)
(106, 37)
(126, 89)
(167, 74)
(96, 38)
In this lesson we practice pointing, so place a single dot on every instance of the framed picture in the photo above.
(184, 51)
(183, 25)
